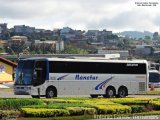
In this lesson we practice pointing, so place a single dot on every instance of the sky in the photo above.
(115, 15)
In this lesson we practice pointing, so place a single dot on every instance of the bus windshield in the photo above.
(154, 77)
(24, 72)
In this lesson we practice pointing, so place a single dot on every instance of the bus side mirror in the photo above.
(35, 75)
(13, 76)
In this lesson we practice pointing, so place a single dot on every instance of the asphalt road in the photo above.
(8, 93)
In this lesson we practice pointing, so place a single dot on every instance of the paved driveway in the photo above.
(8, 93)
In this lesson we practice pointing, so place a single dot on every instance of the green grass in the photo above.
(60, 105)
(15, 103)
(82, 117)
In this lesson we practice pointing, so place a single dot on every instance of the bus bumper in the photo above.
(22, 90)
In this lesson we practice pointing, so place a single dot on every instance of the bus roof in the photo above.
(87, 60)
(153, 71)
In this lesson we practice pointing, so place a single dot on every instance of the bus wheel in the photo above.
(94, 96)
(110, 92)
(35, 96)
(51, 92)
(122, 92)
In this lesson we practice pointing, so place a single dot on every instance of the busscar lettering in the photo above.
(82, 77)
(130, 64)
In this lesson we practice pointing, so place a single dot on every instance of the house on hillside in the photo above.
(6, 70)
(144, 50)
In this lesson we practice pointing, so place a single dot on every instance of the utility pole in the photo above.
(59, 45)
(11, 50)
(14, 52)
(59, 42)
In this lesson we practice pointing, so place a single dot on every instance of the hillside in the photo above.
(135, 34)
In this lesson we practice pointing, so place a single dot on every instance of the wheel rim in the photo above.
(110, 93)
(51, 93)
(122, 93)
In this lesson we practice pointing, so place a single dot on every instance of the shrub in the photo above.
(90, 111)
(113, 109)
(128, 101)
(148, 113)
(137, 109)
(60, 105)
(75, 111)
(64, 100)
(44, 112)
(9, 114)
(81, 110)
(100, 102)
(64, 105)
(15, 103)
(155, 104)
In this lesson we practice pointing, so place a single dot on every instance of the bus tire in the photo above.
(35, 96)
(110, 92)
(51, 92)
(94, 96)
(122, 92)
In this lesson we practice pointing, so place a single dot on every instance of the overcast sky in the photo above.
(115, 15)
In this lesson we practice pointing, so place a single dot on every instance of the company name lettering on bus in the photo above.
(82, 77)
(130, 64)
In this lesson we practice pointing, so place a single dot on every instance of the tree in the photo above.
(68, 49)
(147, 40)
(2, 50)
(121, 45)
(140, 39)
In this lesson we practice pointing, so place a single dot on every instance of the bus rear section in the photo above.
(52, 77)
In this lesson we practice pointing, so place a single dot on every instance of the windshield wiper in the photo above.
(20, 79)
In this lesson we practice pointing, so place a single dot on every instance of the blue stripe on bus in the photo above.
(99, 86)
(62, 77)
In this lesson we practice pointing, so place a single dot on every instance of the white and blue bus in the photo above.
(50, 77)
(154, 79)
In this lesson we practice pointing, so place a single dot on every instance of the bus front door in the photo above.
(39, 73)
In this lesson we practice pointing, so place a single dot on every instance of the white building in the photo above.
(58, 45)
(123, 54)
